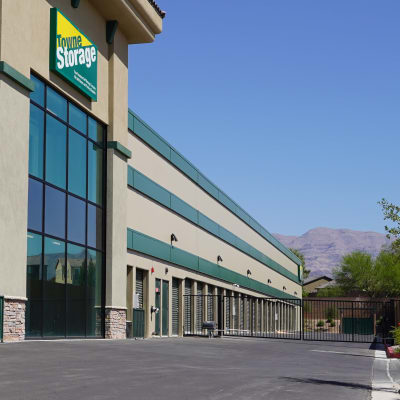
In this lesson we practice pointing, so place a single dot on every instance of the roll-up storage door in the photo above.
(199, 307)
(139, 287)
(138, 322)
(210, 304)
(175, 306)
(188, 306)
(228, 300)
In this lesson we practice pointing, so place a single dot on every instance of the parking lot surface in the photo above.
(188, 368)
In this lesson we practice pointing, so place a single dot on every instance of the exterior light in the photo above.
(166, 270)
(248, 273)
(295, 293)
(219, 259)
(284, 288)
(235, 285)
(173, 238)
(269, 281)
(75, 3)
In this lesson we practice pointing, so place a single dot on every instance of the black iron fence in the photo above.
(281, 318)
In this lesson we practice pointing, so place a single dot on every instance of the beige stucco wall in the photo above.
(14, 133)
(157, 221)
(165, 174)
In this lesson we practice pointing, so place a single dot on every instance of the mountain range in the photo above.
(323, 248)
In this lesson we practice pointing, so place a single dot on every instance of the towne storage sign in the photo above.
(72, 54)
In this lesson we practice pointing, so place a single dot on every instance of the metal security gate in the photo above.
(210, 304)
(175, 306)
(264, 317)
(361, 321)
(309, 319)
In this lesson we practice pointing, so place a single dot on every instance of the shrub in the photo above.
(330, 314)
(320, 323)
(333, 323)
(396, 334)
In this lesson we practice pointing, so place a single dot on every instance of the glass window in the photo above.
(54, 288)
(36, 133)
(95, 131)
(95, 173)
(55, 212)
(77, 118)
(76, 220)
(38, 94)
(94, 293)
(35, 197)
(76, 280)
(56, 148)
(33, 285)
(56, 104)
(77, 164)
(95, 227)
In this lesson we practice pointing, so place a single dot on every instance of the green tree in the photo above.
(376, 277)
(300, 255)
(391, 212)
(356, 273)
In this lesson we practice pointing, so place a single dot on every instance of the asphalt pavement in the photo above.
(188, 368)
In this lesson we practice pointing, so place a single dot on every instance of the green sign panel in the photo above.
(72, 55)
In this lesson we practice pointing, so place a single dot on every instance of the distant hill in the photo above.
(323, 248)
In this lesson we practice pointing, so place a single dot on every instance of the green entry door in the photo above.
(158, 305)
(165, 308)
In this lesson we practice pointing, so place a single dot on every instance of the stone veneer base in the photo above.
(14, 320)
(115, 323)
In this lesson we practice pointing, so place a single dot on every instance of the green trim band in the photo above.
(151, 189)
(16, 76)
(117, 146)
(156, 248)
(160, 145)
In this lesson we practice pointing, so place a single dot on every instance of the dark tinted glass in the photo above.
(35, 202)
(94, 290)
(38, 94)
(95, 131)
(55, 212)
(36, 134)
(76, 280)
(34, 285)
(56, 104)
(95, 227)
(77, 164)
(76, 220)
(54, 276)
(95, 173)
(77, 118)
(56, 149)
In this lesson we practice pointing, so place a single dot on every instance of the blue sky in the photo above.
(291, 107)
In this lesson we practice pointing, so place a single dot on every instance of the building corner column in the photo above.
(115, 323)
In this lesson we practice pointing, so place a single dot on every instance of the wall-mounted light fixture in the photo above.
(75, 3)
(248, 273)
(219, 259)
(284, 288)
(269, 281)
(235, 285)
(166, 270)
(173, 238)
(295, 293)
